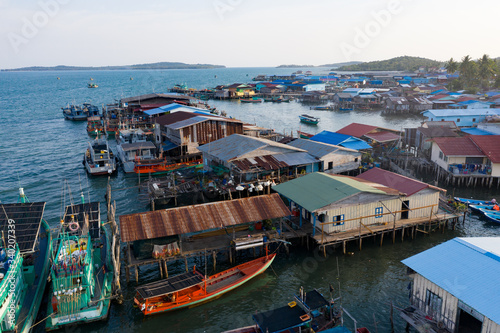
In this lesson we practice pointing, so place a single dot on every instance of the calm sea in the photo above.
(41, 152)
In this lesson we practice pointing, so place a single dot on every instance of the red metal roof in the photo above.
(393, 180)
(195, 218)
(172, 118)
(489, 144)
(357, 130)
(461, 146)
(383, 136)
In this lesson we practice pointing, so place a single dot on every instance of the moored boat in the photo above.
(309, 119)
(81, 271)
(493, 217)
(74, 112)
(251, 100)
(473, 201)
(304, 135)
(98, 158)
(24, 263)
(95, 126)
(193, 288)
(133, 146)
(162, 166)
(92, 85)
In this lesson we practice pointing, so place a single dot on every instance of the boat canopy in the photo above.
(281, 319)
(314, 300)
(27, 218)
(170, 285)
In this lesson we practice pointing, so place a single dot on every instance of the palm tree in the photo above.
(486, 70)
(451, 66)
(468, 71)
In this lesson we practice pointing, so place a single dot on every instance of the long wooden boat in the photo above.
(305, 118)
(159, 167)
(482, 208)
(472, 201)
(304, 135)
(193, 288)
(251, 100)
(493, 217)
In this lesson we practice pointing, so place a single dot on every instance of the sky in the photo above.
(242, 33)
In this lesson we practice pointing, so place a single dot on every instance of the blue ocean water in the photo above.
(40, 151)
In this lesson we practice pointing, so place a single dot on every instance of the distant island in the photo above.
(156, 65)
(294, 66)
(404, 63)
(340, 64)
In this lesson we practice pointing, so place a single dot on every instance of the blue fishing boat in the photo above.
(24, 263)
(309, 119)
(473, 201)
(481, 208)
(74, 112)
(493, 217)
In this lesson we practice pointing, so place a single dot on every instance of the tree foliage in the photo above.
(405, 63)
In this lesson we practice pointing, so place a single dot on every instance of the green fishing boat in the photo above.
(81, 271)
(24, 261)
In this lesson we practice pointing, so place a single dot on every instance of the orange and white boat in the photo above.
(162, 166)
(193, 288)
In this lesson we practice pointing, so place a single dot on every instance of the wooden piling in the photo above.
(381, 238)
(343, 246)
(186, 264)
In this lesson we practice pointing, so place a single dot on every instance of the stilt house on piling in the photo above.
(333, 203)
(454, 287)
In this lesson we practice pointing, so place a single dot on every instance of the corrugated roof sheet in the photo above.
(467, 268)
(393, 180)
(356, 129)
(382, 136)
(150, 96)
(436, 132)
(475, 131)
(341, 140)
(296, 158)
(137, 145)
(317, 149)
(318, 189)
(190, 219)
(237, 145)
(490, 145)
(461, 112)
(461, 146)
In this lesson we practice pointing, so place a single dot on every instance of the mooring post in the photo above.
(214, 258)
(137, 274)
(381, 238)
(186, 264)
(343, 246)
(165, 268)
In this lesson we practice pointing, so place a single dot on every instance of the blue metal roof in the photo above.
(171, 107)
(475, 131)
(460, 112)
(168, 145)
(338, 139)
(467, 268)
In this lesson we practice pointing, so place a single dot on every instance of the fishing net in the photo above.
(168, 250)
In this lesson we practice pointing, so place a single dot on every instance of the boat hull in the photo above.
(196, 300)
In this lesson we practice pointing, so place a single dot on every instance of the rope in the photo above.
(39, 322)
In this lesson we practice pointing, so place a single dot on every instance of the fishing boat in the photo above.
(308, 312)
(304, 135)
(493, 216)
(309, 119)
(90, 110)
(322, 108)
(472, 201)
(95, 126)
(98, 158)
(24, 263)
(74, 112)
(92, 85)
(160, 166)
(82, 270)
(193, 288)
(483, 208)
(251, 100)
(133, 146)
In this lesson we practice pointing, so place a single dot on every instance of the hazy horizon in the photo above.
(238, 33)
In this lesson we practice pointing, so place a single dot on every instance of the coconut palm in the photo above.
(486, 70)
(468, 72)
(451, 66)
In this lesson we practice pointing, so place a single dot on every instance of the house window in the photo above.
(446, 159)
(330, 165)
(441, 155)
(433, 303)
(378, 212)
(473, 120)
(356, 159)
(339, 220)
(458, 120)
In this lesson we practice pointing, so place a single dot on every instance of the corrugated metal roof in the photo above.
(330, 137)
(461, 112)
(461, 146)
(237, 145)
(296, 158)
(490, 145)
(150, 96)
(356, 129)
(382, 136)
(318, 189)
(188, 122)
(317, 149)
(467, 268)
(475, 131)
(437, 132)
(393, 180)
(189, 219)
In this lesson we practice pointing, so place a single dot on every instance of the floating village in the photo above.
(259, 192)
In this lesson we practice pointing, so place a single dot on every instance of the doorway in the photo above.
(467, 323)
(405, 207)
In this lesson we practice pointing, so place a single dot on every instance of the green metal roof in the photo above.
(317, 190)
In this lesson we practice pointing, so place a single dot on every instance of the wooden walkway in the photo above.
(405, 226)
